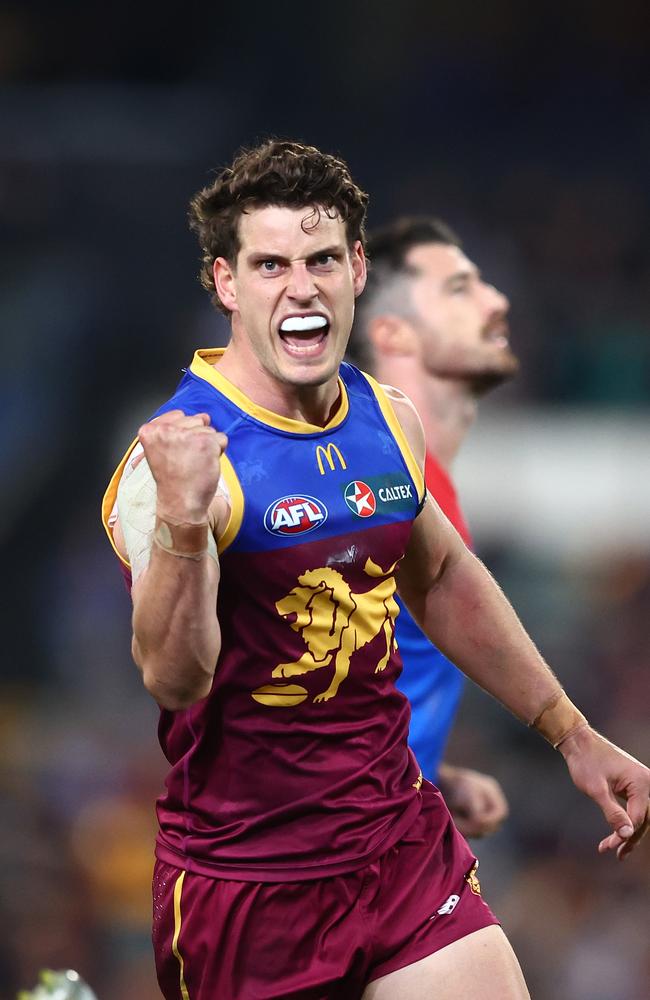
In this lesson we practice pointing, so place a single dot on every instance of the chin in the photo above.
(490, 378)
(310, 377)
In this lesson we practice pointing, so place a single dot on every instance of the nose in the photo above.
(496, 301)
(301, 285)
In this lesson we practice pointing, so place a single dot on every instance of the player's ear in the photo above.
(392, 335)
(224, 283)
(359, 267)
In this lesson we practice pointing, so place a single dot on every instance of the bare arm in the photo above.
(176, 636)
(462, 610)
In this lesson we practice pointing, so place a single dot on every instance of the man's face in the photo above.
(461, 320)
(292, 292)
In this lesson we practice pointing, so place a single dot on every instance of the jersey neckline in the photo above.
(203, 367)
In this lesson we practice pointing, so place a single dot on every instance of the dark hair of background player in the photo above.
(387, 249)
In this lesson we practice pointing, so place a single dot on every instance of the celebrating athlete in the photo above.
(279, 505)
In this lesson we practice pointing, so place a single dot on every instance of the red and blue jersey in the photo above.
(296, 765)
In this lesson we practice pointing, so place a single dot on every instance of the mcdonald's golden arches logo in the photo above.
(326, 454)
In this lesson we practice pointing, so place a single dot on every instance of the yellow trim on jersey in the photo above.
(203, 366)
(108, 503)
(390, 417)
(178, 889)
(236, 505)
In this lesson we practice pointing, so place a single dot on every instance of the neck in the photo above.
(311, 404)
(447, 407)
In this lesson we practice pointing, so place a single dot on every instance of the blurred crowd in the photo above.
(536, 151)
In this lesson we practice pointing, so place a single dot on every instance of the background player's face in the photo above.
(461, 321)
(283, 273)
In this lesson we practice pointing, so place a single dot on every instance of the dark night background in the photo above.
(528, 131)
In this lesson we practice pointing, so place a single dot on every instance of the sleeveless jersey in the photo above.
(430, 681)
(296, 765)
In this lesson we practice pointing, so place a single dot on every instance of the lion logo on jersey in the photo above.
(334, 623)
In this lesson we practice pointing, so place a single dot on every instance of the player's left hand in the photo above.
(476, 801)
(608, 774)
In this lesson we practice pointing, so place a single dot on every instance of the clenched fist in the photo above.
(475, 800)
(184, 456)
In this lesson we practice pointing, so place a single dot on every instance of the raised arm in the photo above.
(176, 636)
(461, 609)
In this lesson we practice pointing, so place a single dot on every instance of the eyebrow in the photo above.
(334, 250)
(465, 275)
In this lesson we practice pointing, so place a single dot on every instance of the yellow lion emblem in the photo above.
(334, 622)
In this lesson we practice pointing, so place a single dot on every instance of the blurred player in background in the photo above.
(300, 852)
(428, 324)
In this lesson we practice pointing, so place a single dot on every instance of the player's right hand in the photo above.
(184, 454)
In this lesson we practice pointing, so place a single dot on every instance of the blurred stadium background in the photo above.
(529, 131)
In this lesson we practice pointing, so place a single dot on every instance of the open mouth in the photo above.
(304, 336)
(499, 335)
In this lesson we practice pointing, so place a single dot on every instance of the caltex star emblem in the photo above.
(360, 499)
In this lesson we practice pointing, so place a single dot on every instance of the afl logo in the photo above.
(360, 499)
(294, 515)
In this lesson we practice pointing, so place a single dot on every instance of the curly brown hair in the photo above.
(274, 173)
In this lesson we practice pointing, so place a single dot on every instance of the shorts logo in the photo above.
(448, 906)
(472, 880)
(360, 499)
(294, 515)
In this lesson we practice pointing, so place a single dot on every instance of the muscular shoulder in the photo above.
(409, 420)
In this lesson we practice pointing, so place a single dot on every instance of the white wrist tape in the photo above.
(136, 506)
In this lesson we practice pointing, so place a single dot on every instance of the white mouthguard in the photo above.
(300, 323)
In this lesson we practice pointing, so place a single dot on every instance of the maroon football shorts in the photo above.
(323, 939)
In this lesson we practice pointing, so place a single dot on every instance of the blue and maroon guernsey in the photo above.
(296, 765)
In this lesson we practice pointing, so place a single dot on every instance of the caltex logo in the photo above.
(293, 515)
(360, 499)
